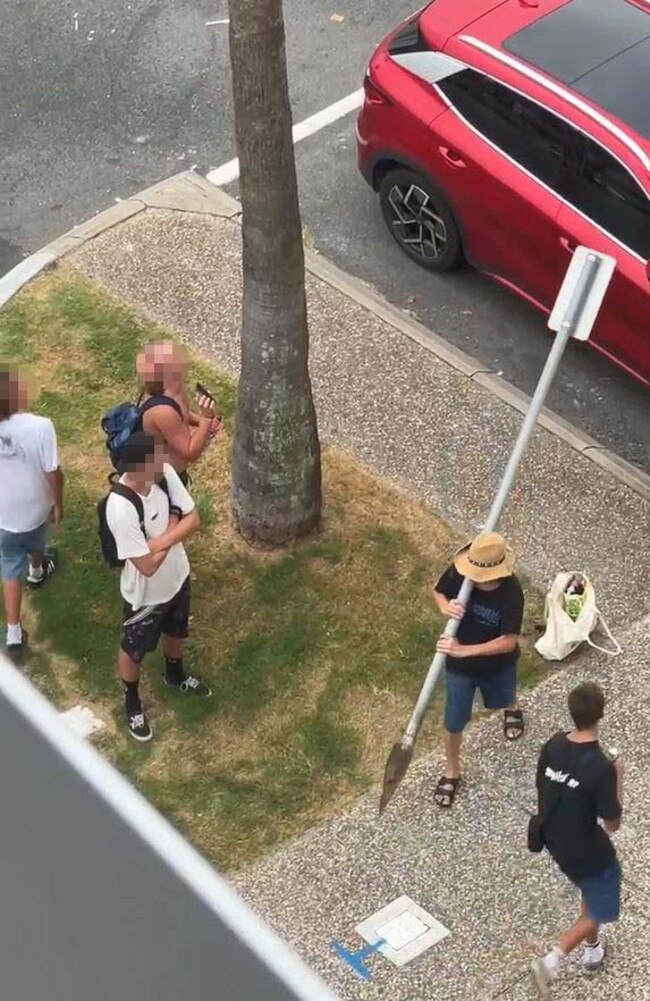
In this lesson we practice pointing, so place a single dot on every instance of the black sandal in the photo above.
(513, 724)
(445, 793)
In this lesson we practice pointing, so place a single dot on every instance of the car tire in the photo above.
(420, 220)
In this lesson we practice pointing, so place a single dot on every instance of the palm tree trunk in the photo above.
(276, 477)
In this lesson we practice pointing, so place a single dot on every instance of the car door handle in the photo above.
(451, 157)
(568, 244)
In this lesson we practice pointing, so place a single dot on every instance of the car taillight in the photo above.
(373, 94)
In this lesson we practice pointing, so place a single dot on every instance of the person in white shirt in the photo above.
(31, 497)
(155, 579)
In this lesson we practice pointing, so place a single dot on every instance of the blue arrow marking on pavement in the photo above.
(355, 959)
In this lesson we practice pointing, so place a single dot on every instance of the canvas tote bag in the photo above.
(563, 633)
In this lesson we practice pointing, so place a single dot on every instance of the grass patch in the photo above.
(315, 654)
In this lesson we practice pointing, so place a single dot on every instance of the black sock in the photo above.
(174, 671)
(132, 697)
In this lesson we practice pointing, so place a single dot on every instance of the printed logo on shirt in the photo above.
(487, 616)
(10, 449)
(561, 777)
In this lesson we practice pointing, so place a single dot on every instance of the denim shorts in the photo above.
(601, 893)
(498, 690)
(16, 547)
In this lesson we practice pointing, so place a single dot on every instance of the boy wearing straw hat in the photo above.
(484, 653)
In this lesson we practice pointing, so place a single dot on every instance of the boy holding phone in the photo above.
(166, 414)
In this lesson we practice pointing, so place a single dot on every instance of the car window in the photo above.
(607, 193)
(534, 137)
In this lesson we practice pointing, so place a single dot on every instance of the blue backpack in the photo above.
(119, 423)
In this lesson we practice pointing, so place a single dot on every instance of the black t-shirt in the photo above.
(488, 615)
(583, 782)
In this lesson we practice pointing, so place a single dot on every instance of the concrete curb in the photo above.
(189, 192)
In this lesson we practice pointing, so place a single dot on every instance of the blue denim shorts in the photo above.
(16, 547)
(498, 690)
(601, 893)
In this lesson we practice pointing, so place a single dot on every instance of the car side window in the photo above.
(531, 135)
(605, 191)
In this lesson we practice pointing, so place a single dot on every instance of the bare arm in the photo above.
(184, 527)
(176, 434)
(450, 608)
(55, 481)
(147, 565)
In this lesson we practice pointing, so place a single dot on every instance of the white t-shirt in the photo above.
(122, 518)
(27, 452)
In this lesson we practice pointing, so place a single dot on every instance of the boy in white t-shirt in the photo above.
(155, 580)
(31, 497)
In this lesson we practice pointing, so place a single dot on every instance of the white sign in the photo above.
(587, 280)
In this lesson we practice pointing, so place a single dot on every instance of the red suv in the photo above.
(507, 132)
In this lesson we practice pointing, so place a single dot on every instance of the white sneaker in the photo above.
(541, 977)
(48, 568)
(593, 959)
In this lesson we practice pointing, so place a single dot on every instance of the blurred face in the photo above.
(163, 363)
(15, 392)
(150, 470)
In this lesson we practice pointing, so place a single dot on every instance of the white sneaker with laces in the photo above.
(47, 569)
(190, 686)
(139, 727)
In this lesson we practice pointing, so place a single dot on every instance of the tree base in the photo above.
(257, 532)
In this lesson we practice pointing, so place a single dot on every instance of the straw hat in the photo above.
(486, 558)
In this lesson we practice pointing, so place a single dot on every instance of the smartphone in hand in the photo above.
(202, 391)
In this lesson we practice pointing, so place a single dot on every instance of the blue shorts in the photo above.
(498, 690)
(16, 547)
(601, 893)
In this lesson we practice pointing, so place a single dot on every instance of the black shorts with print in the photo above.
(142, 629)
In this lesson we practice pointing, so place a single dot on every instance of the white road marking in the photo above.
(229, 172)
(225, 20)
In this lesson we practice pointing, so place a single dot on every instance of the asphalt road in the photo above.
(99, 99)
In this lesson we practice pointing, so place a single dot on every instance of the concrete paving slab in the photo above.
(189, 192)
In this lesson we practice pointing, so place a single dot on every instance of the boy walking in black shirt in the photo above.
(576, 784)
(484, 653)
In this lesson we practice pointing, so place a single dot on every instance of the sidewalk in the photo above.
(470, 868)
(442, 432)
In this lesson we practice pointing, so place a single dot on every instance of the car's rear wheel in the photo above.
(420, 220)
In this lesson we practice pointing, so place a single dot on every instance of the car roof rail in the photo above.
(564, 92)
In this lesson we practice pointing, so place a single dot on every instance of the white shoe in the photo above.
(542, 978)
(593, 959)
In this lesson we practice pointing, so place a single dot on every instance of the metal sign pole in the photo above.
(587, 280)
